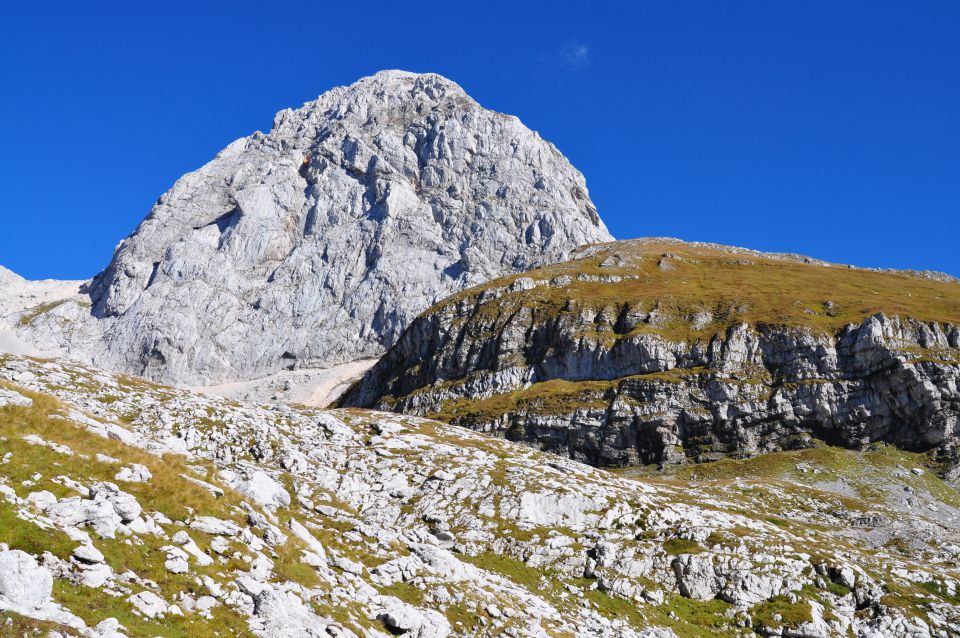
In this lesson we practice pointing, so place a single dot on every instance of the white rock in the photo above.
(259, 486)
(283, 614)
(148, 604)
(177, 565)
(135, 473)
(100, 515)
(9, 494)
(556, 509)
(124, 504)
(304, 534)
(22, 581)
(95, 575)
(41, 500)
(417, 623)
(215, 526)
(88, 554)
(109, 628)
(347, 565)
(220, 545)
(10, 397)
(183, 539)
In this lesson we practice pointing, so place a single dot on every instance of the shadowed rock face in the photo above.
(317, 243)
(538, 359)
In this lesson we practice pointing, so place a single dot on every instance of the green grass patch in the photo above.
(32, 314)
(404, 591)
(780, 612)
(677, 546)
(94, 606)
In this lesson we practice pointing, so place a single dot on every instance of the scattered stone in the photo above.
(134, 474)
(88, 554)
(149, 604)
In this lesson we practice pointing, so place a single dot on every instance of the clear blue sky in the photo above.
(828, 128)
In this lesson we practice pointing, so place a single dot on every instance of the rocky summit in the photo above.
(663, 352)
(316, 243)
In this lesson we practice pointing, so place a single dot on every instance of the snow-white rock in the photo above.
(149, 604)
(10, 397)
(125, 505)
(410, 621)
(88, 554)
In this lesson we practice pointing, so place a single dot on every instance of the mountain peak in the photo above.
(315, 244)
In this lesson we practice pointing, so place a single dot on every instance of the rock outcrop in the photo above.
(661, 352)
(315, 244)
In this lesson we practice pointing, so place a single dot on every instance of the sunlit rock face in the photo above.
(315, 244)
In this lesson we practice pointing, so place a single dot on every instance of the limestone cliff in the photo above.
(657, 351)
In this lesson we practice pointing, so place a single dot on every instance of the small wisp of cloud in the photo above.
(575, 56)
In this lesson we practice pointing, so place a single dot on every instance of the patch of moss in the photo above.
(780, 612)
(616, 608)
(27, 537)
(699, 613)
(404, 591)
(677, 546)
(509, 567)
(31, 315)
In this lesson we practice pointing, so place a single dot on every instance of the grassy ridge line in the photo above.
(682, 280)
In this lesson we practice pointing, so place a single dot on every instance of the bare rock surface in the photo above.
(22, 581)
(315, 244)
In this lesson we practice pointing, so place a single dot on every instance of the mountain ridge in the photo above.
(659, 351)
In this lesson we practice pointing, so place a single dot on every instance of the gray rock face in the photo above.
(645, 398)
(317, 243)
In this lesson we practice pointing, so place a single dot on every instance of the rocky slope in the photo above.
(131, 509)
(657, 351)
(315, 244)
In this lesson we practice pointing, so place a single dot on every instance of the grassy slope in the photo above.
(734, 287)
(33, 468)
(770, 487)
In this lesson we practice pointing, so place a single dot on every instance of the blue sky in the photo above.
(827, 128)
